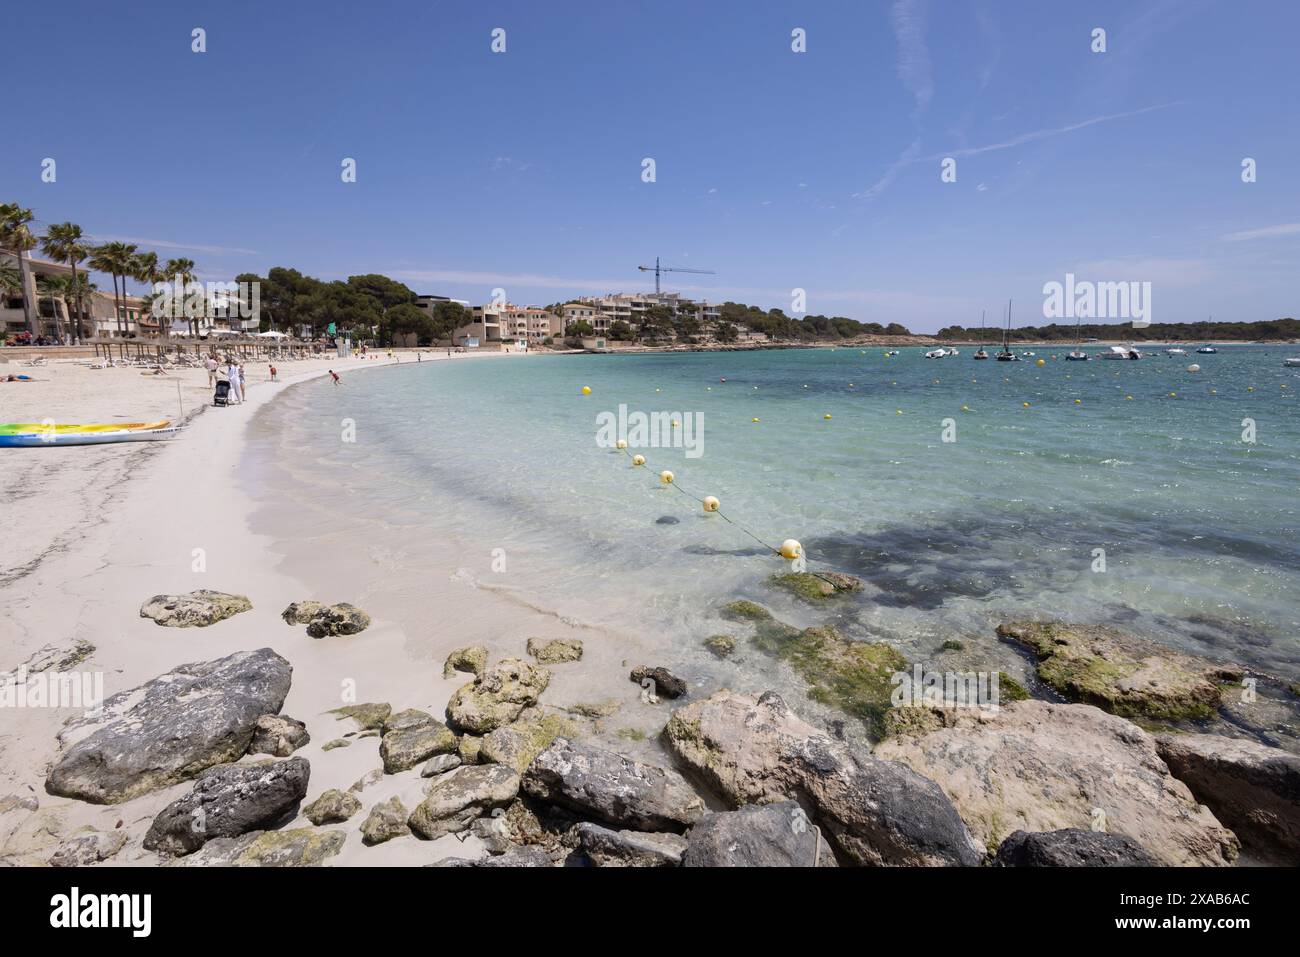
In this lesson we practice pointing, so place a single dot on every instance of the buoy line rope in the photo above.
(672, 483)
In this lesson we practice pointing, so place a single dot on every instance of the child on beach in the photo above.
(335, 375)
(272, 368)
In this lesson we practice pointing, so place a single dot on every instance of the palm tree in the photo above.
(16, 237)
(115, 259)
(144, 268)
(56, 289)
(80, 290)
(183, 269)
(63, 243)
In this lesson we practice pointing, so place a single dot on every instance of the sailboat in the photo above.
(981, 352)
(1006, 355)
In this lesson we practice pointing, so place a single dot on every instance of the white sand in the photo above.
(91, 532)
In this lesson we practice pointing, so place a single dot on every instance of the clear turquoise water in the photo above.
(1199, 528)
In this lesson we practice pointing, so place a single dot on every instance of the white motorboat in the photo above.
(1175, 351)
(936, 353)
(1207, 350)
(1121, 352)
(1292, 363)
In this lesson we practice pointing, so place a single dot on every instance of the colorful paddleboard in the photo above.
(35, 434)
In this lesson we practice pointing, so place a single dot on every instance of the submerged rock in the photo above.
(472, 659)
(169, 729)
(816, 587)
(1253, 789)
(385, 821)
(721, 646)
(454, 800)
(757, 835)
(1121, 673)
(417, 737)
(300, 847)
(332, 807)
(497, 697)
(744, 610)
(556, 651)
(195, 610)
(613, 788)
(1038, 766)
(340, 619)
(228, 801)
(609, 848)
(666, 684)
(756, 750)
(279, 735)
(88, 847)
(1072, 847)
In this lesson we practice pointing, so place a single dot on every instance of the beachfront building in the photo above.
(53, 313)
(632, 307)
(584, 312)
(497, 323)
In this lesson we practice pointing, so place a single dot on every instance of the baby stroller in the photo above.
(222, 395)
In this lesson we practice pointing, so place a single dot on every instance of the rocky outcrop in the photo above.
(497, 697)
(1121, 673)
(413, 738)
(279, 735)
(472, 659)
(756, 750)
(385, 821)
(664, 683)
(339, 619)
(195, 610)
(605, 847)
(228, 801)
(612, 788)
(300, 847)
(516, 745)
(1038, 766)
(169, 729)
(757, 835)
(556, 651)
(454, 800)
(1072, 847)
(88, 847)
(1253, 789)
(332, 807)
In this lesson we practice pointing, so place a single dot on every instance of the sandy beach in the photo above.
(92, 532)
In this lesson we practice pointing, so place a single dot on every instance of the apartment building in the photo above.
(632, 307)
(505, 322)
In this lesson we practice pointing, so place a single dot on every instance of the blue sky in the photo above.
(818, 170)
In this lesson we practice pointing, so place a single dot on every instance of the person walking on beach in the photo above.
(211, 365)
(243, 382)
(335, 376)
(232, 374)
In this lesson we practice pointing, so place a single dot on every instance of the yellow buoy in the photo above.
(791, 549)
(586, 390)
(753, 420)
(965, 408)
(621, 444)
(1041, 362)
(711, 504)
(1173, 395)
(676, 424)
(898, 411)
(666, 477)
(826, 416)
(1128, 398)
(638, 460)
(1250, 388)
(1025, 404)
(1078, 402)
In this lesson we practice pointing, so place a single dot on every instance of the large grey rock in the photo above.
(278, 735)
(332, 807)
(169, 729)
(497, 697)
(615, 789)
(195, 610)
(757, 751)
(413, 740)
(1072, 847)
(385, 821)
(1121, 673)
(228, 801)
(1253, 789)
(605, 847)
(757, 835)
(1040, 766)
(440, 764)
(88, 847)
(454, 800)
(299, 847)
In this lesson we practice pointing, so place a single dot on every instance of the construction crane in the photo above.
(657, 269)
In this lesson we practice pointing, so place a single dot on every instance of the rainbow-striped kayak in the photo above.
(35, 434)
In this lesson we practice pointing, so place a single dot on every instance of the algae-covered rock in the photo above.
(556, 651)
(497, 697)
(515, 745)
(339, 619)
(332, 807)
(1121, 673)
(195, 610)
(744, 610)
(818, 586)
(364, 717)
(300, 847)
(720, 646)
(336, 743)
(408, 745)
(301, 612)
(385, 821)
(278, 734)
(472, 659)
(455, 799)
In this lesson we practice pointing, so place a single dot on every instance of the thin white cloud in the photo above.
(189, 247)
(1036, 135)
(1267, 232)
(908, 18)
(906, 157)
